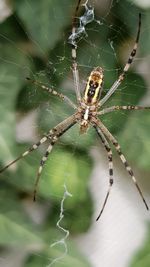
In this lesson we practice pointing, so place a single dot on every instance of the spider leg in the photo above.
(44, 159)
(58, 130)
(122, 157)
(53, 92)
(54, 134)
(126, 68)
(74, 55)
(30, 149)
(110, 162)
(114, 108)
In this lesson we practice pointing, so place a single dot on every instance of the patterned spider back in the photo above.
(93, 87)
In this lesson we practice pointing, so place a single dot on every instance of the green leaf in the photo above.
(145, 44)
(63, 166)
(22, 174)
(72, 258)
(77, 218)
(72, 168)
(15, 227)
(11, 80)
(14, 233)
(49, 21)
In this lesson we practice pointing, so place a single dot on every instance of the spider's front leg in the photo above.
(126, 67)
(72, 41)
(53, 92)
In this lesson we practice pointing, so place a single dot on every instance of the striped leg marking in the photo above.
(53, 135)
(44, 159)
(74, 55)
(56, 131)
(129, 170)
(110, 163)
(45, 88)
(53, 92)
(133, 53)
(122, 157)
(115, 108)
(126, 68)
(32, 148)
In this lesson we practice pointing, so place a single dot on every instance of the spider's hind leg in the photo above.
(44, 159)
(122, 157)
(129, 170)
(110, 163)
(53, 136)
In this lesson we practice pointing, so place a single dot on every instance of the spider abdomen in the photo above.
(94, 86)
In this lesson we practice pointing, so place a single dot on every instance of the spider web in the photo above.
(105, 36)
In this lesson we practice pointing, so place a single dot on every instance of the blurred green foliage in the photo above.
(33, 42)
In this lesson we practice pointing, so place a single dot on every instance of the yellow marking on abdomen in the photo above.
(93, 86)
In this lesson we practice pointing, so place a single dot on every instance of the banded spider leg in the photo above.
(52, 136)
(103, 131)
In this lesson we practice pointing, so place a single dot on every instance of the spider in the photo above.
(87, 113)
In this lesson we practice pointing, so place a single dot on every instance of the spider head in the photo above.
(93, 87)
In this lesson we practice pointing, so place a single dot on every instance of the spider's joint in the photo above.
(111, 181)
